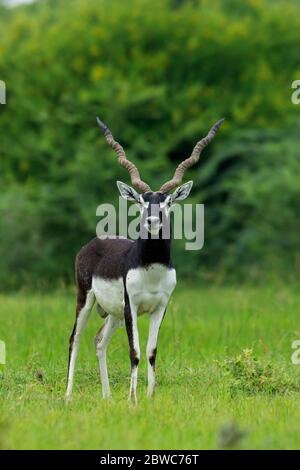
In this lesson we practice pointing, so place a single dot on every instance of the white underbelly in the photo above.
(109, 294)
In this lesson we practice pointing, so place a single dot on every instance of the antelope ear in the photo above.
(182, 192)
(127, 192)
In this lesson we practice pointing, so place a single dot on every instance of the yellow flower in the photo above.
(97, 73)
(255, 3)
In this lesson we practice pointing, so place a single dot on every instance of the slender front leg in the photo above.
(154, 326)
(102, 340)
(134, 346)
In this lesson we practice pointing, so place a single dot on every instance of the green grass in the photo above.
(198, 395)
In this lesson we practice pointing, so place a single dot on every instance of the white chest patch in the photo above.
(151, 287)
(148, 288)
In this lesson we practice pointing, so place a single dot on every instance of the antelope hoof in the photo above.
(132, 398)
(68, 398)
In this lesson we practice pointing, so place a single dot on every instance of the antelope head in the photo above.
(155, 205)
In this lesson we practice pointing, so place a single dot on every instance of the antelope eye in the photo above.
(167, 202)
(143, 203)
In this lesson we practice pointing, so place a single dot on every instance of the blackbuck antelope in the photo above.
(128, 278)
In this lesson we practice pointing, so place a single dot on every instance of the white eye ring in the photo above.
(167, 203)
(143, 203)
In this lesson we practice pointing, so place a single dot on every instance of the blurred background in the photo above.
(159, 73)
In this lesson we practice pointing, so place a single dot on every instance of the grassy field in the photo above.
(210, 393)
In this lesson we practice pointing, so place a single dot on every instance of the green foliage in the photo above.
(251, 375)
(159, 73)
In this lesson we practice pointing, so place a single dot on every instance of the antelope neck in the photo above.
(154, 251)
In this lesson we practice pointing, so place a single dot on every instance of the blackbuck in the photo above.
(128, 278)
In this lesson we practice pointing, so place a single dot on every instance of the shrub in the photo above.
(250, 375)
